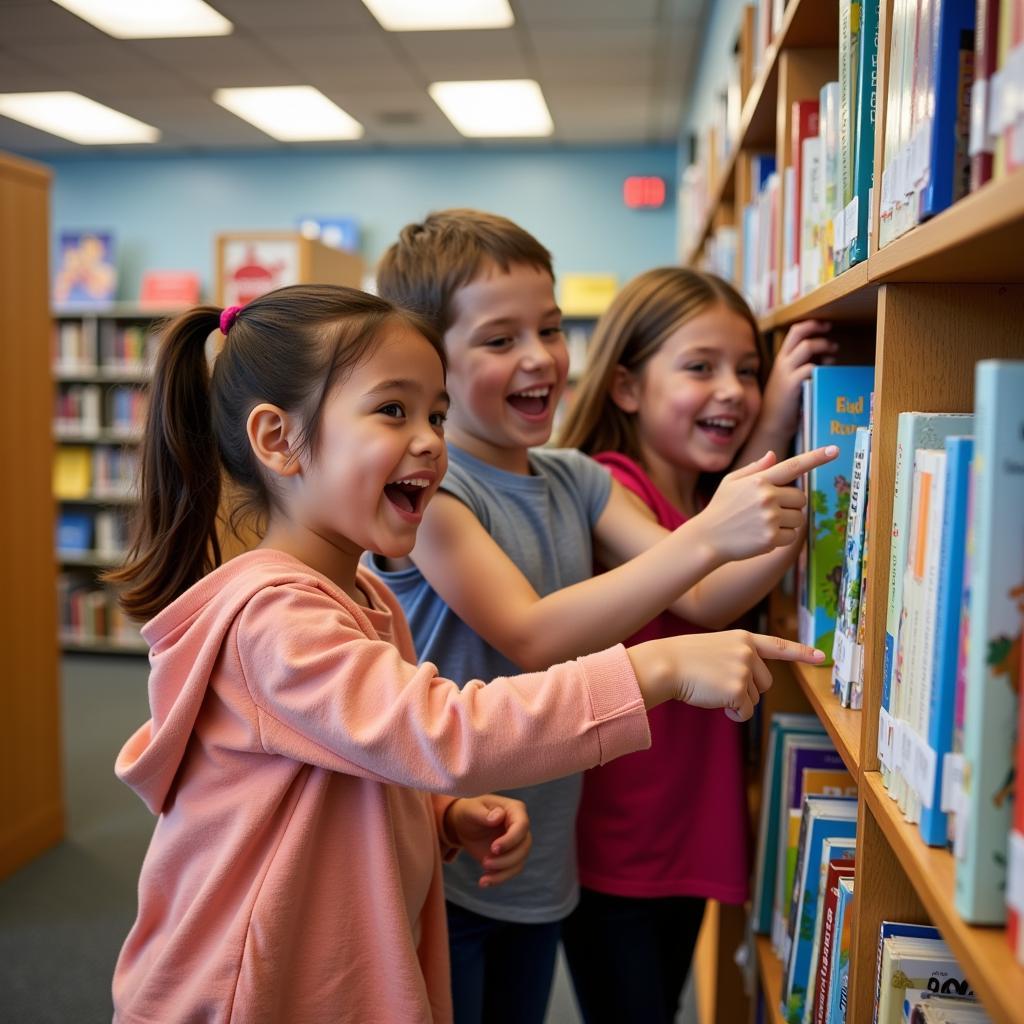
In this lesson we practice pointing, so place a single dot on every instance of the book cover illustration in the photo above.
(993, 653)
(86, 271)
(840, 404)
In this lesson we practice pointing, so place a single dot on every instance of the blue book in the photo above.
(840, 402)
(993, 639)
(74, 533)
(959, 453)
(949, 174)
(771, 800)
(823, 817)
(762, 166)
(887, 929)
(914, 430)
(842, 946)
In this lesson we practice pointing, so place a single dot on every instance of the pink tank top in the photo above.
(670, 820)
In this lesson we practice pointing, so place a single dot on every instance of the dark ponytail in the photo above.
(288, 348)
(175, 542)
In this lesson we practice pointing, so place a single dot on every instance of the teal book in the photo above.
(765, 864)
(994, 638)
(864, 131)
(840, 403)
(914, 430)
(824, 818)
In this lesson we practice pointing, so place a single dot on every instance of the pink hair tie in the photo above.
(227, 317)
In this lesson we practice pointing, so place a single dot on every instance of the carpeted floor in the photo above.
(64, 916)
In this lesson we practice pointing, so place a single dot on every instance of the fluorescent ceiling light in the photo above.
(73, 116)
(513, 108)
(291, 113)
(150, 19)
(432, 15)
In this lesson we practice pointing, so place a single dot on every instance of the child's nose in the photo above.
(537, 353)
(729, 386)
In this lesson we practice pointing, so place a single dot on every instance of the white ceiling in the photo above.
(611, 70)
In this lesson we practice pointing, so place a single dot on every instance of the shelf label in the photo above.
(1015, 872)
(952, 782)
(885, 739)
(924, 771)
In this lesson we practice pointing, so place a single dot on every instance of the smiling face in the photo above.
(507, 364)
(380, 455)
(696, 399)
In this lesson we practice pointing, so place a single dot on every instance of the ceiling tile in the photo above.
(298, 14)
(576, 12)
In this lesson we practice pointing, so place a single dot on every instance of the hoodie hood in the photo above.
(185, 640)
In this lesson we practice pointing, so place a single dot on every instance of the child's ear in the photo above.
(270, 430)
(625, 389)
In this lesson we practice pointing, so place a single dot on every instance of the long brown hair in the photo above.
(289, 348)
(636, 324)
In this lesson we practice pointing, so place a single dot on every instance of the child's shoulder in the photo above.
(627, 471)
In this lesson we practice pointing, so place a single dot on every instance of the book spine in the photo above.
(986, 44)
(997, 603)
(959, 451)
(864, 134)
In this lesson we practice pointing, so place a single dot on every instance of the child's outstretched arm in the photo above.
(753, 511)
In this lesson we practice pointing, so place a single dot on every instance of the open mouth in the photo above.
(407, 494)
(721, 428)
(532, 401)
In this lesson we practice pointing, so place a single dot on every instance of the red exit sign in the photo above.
(643, 193)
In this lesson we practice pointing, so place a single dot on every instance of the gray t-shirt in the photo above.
(544, 523)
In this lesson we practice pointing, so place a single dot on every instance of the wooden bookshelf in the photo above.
(994, 974)
(80, 645)
(930, 304)
(31, 790)
(769, 972)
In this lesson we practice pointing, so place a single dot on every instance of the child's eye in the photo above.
(392, 409)
(502, 342)
(551, 332)
(437, 419)
(750, 371)
(698, 367)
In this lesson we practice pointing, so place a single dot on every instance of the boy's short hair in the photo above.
(431, 261)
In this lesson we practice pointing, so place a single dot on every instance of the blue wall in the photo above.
(166, 210)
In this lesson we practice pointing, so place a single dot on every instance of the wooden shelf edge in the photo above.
(848, 296)
(76, 646)
(842, 724)
(997, 208)
(769, 970)
(983, 952)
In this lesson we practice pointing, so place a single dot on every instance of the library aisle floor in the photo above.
(64, 916)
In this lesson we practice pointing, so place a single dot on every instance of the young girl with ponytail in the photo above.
(308, 778)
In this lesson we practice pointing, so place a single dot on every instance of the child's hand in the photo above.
(754, 510)
(495, 831)
(713, 670)
(780, 407)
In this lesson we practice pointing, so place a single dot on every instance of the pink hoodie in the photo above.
(294, 872)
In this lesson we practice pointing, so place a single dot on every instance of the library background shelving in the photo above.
(102, 361)
(931, 303)
(31, 795)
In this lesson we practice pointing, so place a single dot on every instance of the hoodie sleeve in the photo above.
(327, 694)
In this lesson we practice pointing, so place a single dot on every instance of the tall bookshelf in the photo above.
(102, 360)
(931, 303)
(31, 790)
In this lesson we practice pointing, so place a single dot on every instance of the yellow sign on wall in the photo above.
(587, 294)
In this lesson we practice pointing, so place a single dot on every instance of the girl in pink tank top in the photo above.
(673, 396)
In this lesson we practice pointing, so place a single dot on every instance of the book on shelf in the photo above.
(804, 126)
(849, 39)
(915, 765)
(911, 963)
(74, 533)
(822, 817)
(889, 929)
(914, 430)
(986, 53)
(846, 652)
(858, 211)
(827, 939)
(72, 472)
(765, 860)
(994, 640)
(842, 945)
(74, 347)
(838, 403)
(1015, 858)
(77, 410)
(830, 161)
(959, 453)
(923, 1006)
(811, 766)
